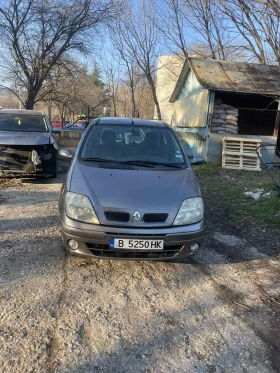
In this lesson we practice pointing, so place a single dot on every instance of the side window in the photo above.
(174, 152)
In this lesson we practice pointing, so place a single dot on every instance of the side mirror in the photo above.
(197, 160)
(66, 153)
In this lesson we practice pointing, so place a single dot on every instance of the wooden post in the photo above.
(277, 150)
(277, 121)
(277, 132)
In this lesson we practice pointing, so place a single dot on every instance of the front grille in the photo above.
(105, 252)
(155, 218)
(124, 217)
(117, 216)
(144, 236)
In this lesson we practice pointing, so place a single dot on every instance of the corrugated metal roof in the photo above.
(229, 76)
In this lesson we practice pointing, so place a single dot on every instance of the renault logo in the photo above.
(136, 216)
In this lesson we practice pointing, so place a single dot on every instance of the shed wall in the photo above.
(169, 68)
(191, 114)
(191, 86)
(191, 111)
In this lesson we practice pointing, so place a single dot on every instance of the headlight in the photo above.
(78, 207)
(191, 211)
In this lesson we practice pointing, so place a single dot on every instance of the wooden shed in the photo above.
(213, 99)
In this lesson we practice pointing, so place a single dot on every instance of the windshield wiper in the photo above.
(133, 163)
(93, 159)
(154, 163)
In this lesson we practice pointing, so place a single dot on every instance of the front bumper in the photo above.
(94, 241)
(17, 160)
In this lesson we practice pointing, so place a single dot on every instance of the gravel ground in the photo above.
(219, 312)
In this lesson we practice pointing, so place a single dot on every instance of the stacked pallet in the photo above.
(224, 119)
(241, 153)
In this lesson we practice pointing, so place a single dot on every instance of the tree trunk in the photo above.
(30, 101)
(60, 110)
(114, 105)
(153, 89)
(63, 114)
(133, 111)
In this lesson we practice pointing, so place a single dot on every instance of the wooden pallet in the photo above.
(241, 153)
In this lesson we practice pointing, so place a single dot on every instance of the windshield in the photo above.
(22, 123)
(123, 143)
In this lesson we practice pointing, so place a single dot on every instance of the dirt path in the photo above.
(218, 313)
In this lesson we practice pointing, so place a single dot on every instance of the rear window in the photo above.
(22, 123)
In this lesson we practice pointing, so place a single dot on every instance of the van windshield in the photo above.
(22, 123)
(124, 143)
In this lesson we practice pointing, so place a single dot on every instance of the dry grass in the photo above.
(226, 189)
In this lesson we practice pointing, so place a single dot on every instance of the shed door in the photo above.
(191, 111)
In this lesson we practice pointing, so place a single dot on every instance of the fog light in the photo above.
(73, 244)
(194, 247)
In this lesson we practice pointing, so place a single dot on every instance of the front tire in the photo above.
(54, 173)
(50, 167)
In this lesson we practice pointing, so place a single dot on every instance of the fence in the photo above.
(257, 122)
(68, 139)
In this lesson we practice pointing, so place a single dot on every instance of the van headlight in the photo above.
(191, 211)
(78, 207)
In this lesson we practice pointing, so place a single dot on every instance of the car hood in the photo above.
(24, 138)
(134, 189)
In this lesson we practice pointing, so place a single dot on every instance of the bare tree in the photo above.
(175, 19)
(8, 99)
(111, 74)
(258, 23)
(128, 62)
(143, 100)
(171, 23)
(270, 23)
(36, 35)
(60, 87)
(246, 24)
(205, 18)
(140, 42)
(198, 27)
(74, 92)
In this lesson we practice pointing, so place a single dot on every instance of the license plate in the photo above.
(124, 243)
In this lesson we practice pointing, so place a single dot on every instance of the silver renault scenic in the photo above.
(131, 193)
